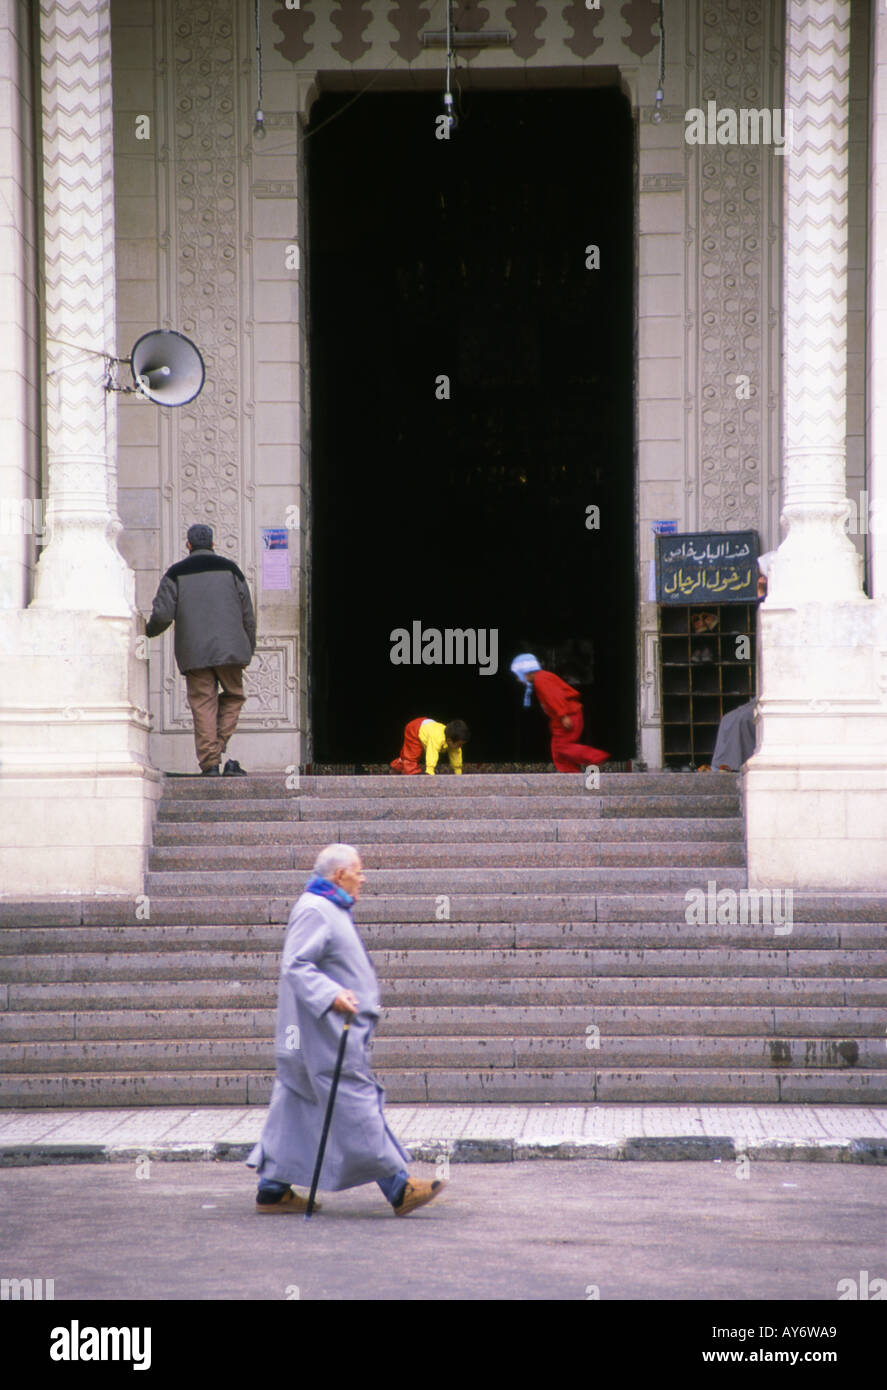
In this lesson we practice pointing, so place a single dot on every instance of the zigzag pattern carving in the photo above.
(81, 566)
(78, 223)
(816, 190)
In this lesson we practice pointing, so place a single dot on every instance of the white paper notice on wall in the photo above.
(659, 528)
(275, 557)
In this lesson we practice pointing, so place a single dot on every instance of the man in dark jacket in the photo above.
(208, 599)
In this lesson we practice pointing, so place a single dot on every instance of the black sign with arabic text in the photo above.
(707, 567)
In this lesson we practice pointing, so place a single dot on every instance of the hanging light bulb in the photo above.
(448, 95)
(259, 126)
(656, 117)
(448, 107)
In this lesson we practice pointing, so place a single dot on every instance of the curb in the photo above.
(662, 1149)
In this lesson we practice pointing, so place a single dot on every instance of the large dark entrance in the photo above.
(466, 259)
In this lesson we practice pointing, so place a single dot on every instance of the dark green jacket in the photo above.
(208, 599)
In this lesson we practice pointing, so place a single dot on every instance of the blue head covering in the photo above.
(521, 666)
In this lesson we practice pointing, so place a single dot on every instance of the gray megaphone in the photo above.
(167, 367)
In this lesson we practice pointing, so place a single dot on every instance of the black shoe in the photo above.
(210, 772)
(233, 769)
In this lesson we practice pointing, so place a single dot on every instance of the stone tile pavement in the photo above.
(466, 1133)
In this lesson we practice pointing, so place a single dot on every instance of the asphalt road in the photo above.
(582, 1230)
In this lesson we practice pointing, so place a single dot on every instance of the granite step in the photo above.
(431, 1022)
(827, 908)
(451, 935)
(394, 788)
(409, 992)
(452, 882)
(460, 964)
(592, 806)
(411, 833)
(537, 940)
(445, 1051)
(453, 1086)
(220, 859)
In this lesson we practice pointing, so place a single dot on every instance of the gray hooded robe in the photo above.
(735, 742)
(322, 955)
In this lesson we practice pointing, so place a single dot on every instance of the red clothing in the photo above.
(559, 700)
(555, 696)
(411, 754)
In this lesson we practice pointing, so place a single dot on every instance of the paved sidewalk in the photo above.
(491, 1133)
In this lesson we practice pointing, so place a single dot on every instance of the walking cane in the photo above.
(329, 1115)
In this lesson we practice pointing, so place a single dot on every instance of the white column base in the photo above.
(77, 792)
(815, 791)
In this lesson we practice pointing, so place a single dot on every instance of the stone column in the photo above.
(816, 789)
(21, 511)
(81, 567)
(816, 560)
(877, 308)
(77, 793)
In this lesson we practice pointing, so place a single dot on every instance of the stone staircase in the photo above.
(530, 936)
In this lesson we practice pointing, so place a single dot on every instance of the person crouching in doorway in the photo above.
(428, 737)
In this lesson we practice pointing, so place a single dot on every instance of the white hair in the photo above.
(334, 857)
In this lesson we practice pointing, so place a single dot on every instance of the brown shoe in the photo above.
(417, 1192)
(289, 1201)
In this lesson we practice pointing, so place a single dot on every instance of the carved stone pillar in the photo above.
(816, 560)
(21, 509)
(77, 793)
(81, 567)
(877, 308)
(816, 789)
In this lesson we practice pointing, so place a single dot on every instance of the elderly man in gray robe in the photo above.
(326, 973)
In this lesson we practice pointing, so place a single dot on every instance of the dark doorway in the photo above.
(466, 259)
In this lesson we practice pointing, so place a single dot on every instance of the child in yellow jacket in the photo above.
(426, 735)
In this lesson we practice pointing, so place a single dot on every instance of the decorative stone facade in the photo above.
(219, 263)
(707, 291)
(708, 240)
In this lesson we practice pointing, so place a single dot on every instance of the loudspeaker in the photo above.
(167, 367)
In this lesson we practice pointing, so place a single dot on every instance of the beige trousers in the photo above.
(215, 715)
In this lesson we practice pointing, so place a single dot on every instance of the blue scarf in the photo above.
(325, 889)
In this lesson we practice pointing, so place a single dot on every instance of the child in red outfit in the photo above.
(566, 717)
